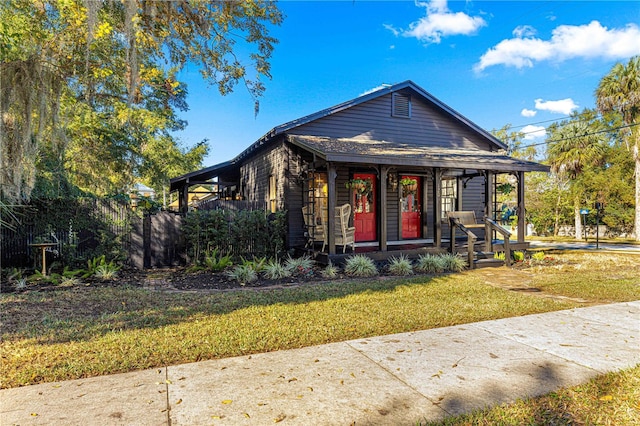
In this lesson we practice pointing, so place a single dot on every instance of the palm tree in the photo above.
(575, 145)
(619, 92)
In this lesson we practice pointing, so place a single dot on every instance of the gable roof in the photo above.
(283, 129)
(410, 85)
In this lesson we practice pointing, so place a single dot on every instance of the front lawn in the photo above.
(85, 331)
(609, 399)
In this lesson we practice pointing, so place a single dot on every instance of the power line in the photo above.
(580, 136)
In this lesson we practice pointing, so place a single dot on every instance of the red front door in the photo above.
(364, 207)
(411, 202)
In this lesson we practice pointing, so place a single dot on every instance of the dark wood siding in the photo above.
(254, 184)
(428, 125)
(473, 199)
(393, 214)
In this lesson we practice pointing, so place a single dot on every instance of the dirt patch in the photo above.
(519, 280)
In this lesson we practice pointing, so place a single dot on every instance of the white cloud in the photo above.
(528, 113)
(562, 106)
(567, 42)
(524, 31)
(440, 22)
(532, 132)
(375, 89)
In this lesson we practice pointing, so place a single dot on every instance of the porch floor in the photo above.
(409, 248)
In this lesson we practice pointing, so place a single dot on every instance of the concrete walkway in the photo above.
(388, 380)
(582, 245)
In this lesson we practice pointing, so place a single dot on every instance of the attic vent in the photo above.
(401, 105)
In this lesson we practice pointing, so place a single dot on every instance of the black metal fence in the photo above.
(85, 228)
(79, 227)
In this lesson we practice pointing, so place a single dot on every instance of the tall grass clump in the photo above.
(400, 265)
(301, 266)
(330, 271)
(274, 270)
(360, 266)
(244, 274)
(453, 262)
(430, 264)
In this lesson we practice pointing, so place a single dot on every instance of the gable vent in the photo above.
(401, 105)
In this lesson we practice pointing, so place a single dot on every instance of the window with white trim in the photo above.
(449, 195)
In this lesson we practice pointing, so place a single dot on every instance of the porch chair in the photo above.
(345, 235)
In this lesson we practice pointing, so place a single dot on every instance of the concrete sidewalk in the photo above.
(388, 380)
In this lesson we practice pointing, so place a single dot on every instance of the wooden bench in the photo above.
(466, 218)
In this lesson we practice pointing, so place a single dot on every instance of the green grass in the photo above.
(609, 399)
(80, 332)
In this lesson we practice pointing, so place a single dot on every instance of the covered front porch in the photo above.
(403, 199)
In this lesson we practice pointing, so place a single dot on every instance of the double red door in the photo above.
(364, 208)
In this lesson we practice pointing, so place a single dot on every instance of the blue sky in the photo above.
(496, 62)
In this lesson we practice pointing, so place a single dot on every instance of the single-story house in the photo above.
(400, 158)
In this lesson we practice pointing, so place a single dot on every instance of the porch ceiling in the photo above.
(398, 154)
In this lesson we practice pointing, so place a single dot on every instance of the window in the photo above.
(401, 105)
(449, 195)
(320, 195)
(273, 193)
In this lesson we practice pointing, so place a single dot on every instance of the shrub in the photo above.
(216, 263)
(20, 284)
(244, 232)
(400, 265)
(257, 264)
(518, 256)
(430, 264)
(107, 271)
(538, 256)
(360, 266)
(499, 255)
(453, 262)
(330, 271)
(244, 274)
(274, 270)
(69, 281)
(301, 266)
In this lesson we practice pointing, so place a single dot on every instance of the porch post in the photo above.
(488, 208)
(437, 207)
(459, 193)
(183, 199)
(331, 202)
(521, 209)
(384, 171)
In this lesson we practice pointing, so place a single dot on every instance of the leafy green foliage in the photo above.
(453, 262)
(360, 265)
(274, 270)
(244, 274)
(107, 271)
(330, 271)
(109, 69)
(217, 262)
(430, 264)
(400, 265)
(99, 267)
(243, 233)
(301, 266)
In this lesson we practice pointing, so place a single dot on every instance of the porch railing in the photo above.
(471, 239)
(491, 227)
